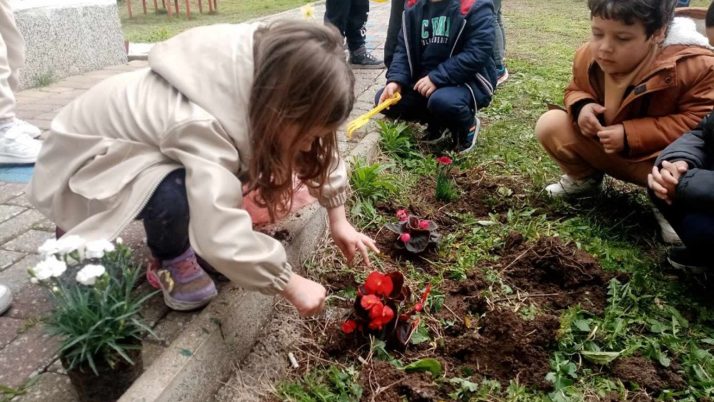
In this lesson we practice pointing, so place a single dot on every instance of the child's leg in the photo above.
(582, 157)
(454, 107)
(500, 44)
(166, 217)
(185, 285)
(695, 229)
(356, 24)
(336, 13)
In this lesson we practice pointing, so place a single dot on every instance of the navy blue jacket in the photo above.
(471, 40)
(695, 189)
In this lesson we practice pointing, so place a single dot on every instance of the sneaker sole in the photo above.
(687, 268)
(368, 66)
(436, 141)
(473, 143)
(14, 160)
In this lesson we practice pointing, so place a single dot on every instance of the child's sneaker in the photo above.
(469, 143)
(502, 75)
(185, 285)
(361, 58)
(22, 126)
(17, 146)
(434, 134)
(5, 298)
(666, 230)
(680, 258)
(568, 186)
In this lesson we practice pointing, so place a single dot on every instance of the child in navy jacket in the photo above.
(443, 67)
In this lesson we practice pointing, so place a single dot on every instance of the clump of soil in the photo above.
(381, 381)
(647, 374)
(558, 274)
(508, 347)
(483, 194)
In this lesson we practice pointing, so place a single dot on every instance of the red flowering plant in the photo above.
(380, 309)
(415, 235)
(445, 189)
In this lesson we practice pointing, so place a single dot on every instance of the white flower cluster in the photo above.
(52, 267)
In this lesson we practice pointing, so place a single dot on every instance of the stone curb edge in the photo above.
(199, 361)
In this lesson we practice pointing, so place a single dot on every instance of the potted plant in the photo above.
(445, 189)
(383, 308)
(96, 313)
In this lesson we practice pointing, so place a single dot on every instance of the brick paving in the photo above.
(27, 354)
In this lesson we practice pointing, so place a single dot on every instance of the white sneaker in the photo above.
(17, 147)
(567, 186)
(5, 298)
(23, 127)
(666, 230)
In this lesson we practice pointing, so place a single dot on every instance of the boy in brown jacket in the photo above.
(639, 83)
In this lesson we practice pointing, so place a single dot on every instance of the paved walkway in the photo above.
(27, 354)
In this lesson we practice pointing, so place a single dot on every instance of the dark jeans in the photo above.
(447, 107)
(695, 228)
(166, 217)
(393, 30)
(350, 18)
(499, 48)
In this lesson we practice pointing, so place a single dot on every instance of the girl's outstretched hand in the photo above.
(307, 296)
(347, 238)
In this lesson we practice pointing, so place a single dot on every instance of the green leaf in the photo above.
(421, 335)
(185, 353)
(428, 364)
(582, 325)
(600, 357)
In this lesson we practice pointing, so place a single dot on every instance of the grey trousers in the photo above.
(12, 57)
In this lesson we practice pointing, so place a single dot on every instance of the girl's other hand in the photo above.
(307, 296)
(349, 241)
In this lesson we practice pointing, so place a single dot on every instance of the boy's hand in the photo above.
(349, 241)
(389, 91)
(587, 120)
(612, 138)
(664, 181)
(307, 296)
(425, 87)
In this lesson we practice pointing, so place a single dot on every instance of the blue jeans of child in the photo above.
(682, 3)
(350, 18)
(695, 228)
(448, 107)
(166, 216)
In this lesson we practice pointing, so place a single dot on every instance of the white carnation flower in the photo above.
(119, 240)
(89, 274)
(67, 244)
(97, 248)
(49, 247)
(50, 267)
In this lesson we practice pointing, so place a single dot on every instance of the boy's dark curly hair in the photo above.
(709, 21)
(653, 14)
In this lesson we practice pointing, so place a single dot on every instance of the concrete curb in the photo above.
(200, 360)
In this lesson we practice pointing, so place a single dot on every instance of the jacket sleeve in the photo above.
(577, 93)
(219, 229)
(691, 148)
(695, 190)
(336, 190)
(478, 48)
(399, 71)
(651, 134)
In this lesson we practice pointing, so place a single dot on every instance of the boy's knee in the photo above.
(552, 124)
(442, 105)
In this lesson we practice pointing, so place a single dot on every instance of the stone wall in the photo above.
(68, 37)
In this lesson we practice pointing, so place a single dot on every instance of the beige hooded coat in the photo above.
(109, 150)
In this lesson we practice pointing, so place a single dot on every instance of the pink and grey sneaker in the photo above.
(185, 285)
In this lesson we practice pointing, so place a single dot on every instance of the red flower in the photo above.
(419, 306)
(378, 284)
(402, 215)
(424, 224)
(444, 160)
(380, 316)
(405, 237)
(369, 301)
(349, 326)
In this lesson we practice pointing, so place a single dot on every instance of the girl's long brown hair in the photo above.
(301, 80)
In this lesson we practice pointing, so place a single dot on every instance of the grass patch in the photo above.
(157, 26)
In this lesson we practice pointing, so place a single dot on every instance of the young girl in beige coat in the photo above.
(219, 108)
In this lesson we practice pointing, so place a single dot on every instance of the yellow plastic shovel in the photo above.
(364, 119)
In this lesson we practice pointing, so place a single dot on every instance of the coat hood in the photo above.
(213, 67)
(683, 31)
